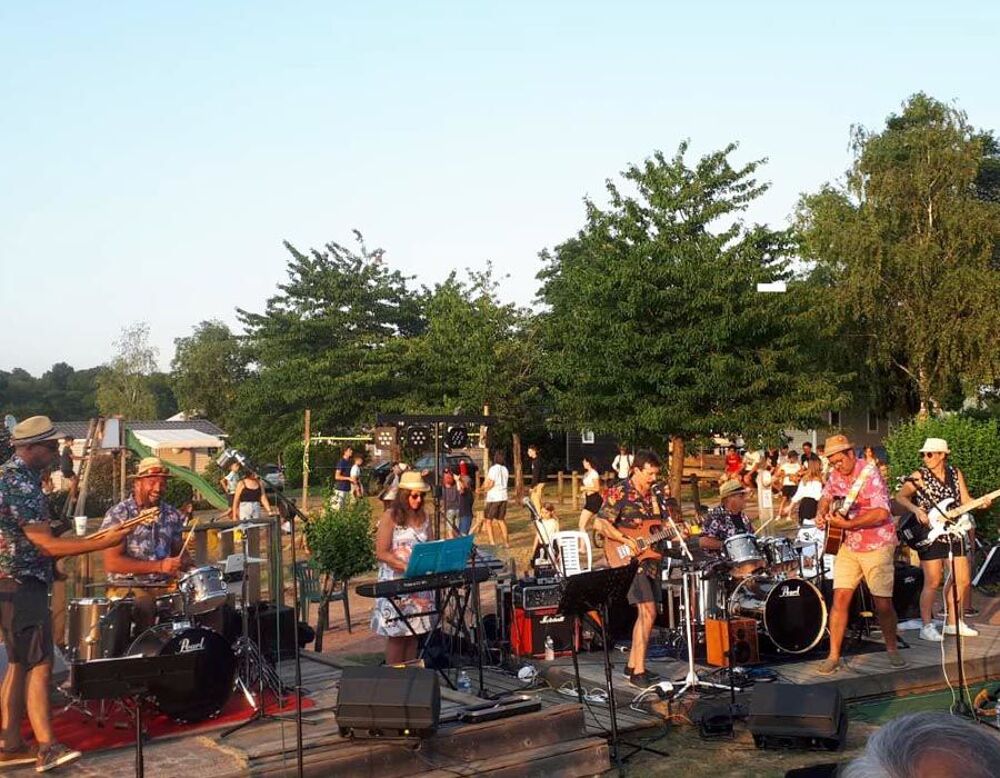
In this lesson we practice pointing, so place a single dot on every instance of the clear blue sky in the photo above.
(155, 155)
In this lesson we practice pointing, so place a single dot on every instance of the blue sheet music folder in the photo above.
(439, 556)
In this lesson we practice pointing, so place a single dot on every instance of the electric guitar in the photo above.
(946, 512)
(619, 554)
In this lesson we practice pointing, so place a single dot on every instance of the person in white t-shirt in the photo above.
(765, 490)
(789, 472)
(622, 464)
(495, 487)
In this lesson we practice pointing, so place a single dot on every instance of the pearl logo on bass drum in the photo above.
(790, 592)
(186, 645)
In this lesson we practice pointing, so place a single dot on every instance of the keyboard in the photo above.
(424, 583)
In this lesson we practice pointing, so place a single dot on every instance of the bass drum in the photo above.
(204, 695)
(791, 611)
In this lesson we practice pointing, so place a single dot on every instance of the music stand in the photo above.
(593, 591)
(134, 677)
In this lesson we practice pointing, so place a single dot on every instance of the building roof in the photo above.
(78, 429)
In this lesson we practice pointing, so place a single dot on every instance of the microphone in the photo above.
(527, 503)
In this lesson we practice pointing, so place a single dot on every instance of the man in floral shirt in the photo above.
(629, 503)
(27, 551)
(867, 549)
(152, 552)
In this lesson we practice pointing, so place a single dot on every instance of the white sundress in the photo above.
(385, 620)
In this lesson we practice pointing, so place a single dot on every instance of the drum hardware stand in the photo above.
(248, 652)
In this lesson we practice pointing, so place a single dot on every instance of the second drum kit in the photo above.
(197, 616)
(757, 578)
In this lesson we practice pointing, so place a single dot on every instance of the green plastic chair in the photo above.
(315, 587)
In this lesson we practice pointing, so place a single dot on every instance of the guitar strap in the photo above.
(856, 487)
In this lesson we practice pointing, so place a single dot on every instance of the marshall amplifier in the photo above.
(529, 629)
(535, 598)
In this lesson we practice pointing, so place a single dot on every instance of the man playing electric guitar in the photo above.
(866, 552)
(630, 504)
(927, 487)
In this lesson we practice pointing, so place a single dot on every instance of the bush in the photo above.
(975, 450)
(343, 542)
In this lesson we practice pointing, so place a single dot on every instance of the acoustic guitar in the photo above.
(834, 536)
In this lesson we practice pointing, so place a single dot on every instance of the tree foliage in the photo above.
(333, 339)
(124, 388)
(907, 249)
(61, 393)
(207, 371)
(653, 324)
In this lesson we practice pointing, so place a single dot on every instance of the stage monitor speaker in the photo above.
(791, 716)
(388, 701)
(742, 636)
(529, 629)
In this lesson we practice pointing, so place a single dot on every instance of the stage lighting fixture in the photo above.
(418, 437)
(456, 437)
(385, 437)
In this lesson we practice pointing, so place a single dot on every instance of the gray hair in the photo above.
(899, 748)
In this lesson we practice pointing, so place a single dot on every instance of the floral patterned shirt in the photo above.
(21, 502)
(874, 494)
(626, 506)
(721, 524)
(148, 542)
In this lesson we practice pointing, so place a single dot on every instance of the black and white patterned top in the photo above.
(938, 490)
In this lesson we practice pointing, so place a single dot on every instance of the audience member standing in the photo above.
(765, 491)
(342, 480)
(495, 487)
(591, 493)
(66, 467)
(808, 492)
(466, 497)
(622, 464)
(788, 472)
(537, 477)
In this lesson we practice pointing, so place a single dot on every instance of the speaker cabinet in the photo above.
(791, 716)
(388, 701)
(741, 639)
(529, 629)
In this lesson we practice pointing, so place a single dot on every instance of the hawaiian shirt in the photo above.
(625, 506)
(721, 524)
(873, 494)
(21, 502)
(147, 542)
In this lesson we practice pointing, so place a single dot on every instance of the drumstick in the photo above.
(188, 539)
(764, 524)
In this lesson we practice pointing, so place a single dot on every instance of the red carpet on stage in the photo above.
(82, 733)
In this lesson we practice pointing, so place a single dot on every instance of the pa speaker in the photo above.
(786, 715)
(388, 701)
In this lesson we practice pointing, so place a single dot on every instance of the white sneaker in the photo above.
(930, 632)
(964, 630)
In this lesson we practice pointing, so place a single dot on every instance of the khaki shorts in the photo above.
(875, 567)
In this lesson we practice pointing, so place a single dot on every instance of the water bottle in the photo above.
(464, 683)
(550, 649)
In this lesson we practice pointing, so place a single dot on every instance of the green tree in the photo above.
(333, 340)
(907, 251)
(207, 371)
(124, 387)
(653, 323)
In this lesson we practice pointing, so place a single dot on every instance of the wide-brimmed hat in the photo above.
(412, 481)
(935, 445)
(36, 429)
(731, 487)
(837, 443)
(151, 467)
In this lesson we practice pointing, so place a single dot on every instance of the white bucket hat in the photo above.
(935, 445)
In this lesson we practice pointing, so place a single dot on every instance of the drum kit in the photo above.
(190, 618)
(755, 578)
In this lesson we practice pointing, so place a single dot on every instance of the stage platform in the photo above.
(866, 674)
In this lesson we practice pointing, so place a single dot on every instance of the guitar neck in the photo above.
(971, 505)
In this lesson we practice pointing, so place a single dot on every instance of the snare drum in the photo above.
(745, 554)
(98, 628)
(203, 590)
(170, 608)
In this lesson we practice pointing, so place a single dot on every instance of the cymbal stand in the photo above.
(692, 681)
(253, 665)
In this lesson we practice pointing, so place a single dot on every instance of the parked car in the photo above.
(273, 477)
(426, 463)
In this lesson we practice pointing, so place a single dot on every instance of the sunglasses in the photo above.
(417, 495)
(929, 454)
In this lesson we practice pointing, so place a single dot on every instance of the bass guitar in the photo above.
(620, 554)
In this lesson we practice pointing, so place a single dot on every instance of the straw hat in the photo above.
(935, 445)
(412, 481)
(36, 429)
(151, 467)
(731, 487)
(837, 443)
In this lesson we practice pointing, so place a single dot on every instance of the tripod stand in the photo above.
(252, 664)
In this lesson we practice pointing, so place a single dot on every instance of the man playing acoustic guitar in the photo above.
(631, 504)
(866, 550)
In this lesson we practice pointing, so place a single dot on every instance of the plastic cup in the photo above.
(80, 523)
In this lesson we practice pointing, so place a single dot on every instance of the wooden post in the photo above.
(305, 466)
(559, 487)
(575, 489)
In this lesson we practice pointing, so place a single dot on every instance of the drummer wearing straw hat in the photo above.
(27, 550)
(150, 554)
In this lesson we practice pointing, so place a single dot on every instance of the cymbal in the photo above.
(242, 527)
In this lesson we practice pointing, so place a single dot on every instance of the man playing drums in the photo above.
(151, 554)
